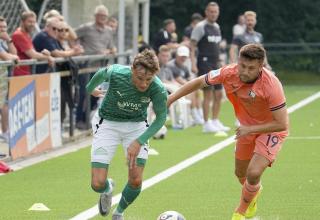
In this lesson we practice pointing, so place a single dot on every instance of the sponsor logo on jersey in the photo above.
(145, 99)
(214, 73)
(129, 106)
(214, 39)
(252, 94)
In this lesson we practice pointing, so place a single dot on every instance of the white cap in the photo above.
(183, 51)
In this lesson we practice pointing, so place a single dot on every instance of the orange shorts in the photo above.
(267, 145)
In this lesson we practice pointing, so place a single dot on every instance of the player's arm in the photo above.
(99, 77)
(159, 103)
(280, 123)
(188, 88)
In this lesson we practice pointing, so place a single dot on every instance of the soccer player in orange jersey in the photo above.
(259, 103)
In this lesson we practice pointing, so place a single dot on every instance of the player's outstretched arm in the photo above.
(187, 88)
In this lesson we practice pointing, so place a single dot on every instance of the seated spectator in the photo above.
(164, 36)
(181, 74)
(22, 41)
(165, 74)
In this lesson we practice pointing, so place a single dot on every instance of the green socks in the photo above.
(129, 194)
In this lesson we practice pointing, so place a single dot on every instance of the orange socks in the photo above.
(248, 193)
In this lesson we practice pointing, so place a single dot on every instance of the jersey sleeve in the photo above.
(159, 102)
(99, 77)
(276, 98)
(215, 77)
(197, 33)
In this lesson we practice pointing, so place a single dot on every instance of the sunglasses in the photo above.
(63, 30)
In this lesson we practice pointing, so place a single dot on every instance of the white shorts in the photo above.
(107, 135)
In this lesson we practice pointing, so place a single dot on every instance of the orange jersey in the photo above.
(253, 102)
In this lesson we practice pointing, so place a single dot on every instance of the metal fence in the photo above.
(86, 65)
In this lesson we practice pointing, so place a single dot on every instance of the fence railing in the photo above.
(86, 64)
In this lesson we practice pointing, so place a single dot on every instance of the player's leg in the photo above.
(241, 167)
(135, 176)
(243, 154)
(132, 189)
(252, 185)
(104, 144)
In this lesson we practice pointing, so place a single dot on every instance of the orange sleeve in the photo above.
(215, 76)
(276, 97)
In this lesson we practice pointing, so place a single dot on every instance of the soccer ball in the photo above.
(171, 215)
(161, 133)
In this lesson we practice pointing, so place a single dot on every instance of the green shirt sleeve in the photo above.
(159, 102)
(99, 77)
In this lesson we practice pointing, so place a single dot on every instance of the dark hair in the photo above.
(253, 52)
(168, 21)
(196, 16)
(147, 59)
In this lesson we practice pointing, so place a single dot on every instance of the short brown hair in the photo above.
(26, 14)
(147, 59)
(253, 52)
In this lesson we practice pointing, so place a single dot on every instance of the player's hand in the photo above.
(242, 131)
(132, 153)
(98, 93)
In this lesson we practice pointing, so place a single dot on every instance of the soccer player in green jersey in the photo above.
(121, 119)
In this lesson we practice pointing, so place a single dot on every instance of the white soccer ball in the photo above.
(161, 133)
(171, 215)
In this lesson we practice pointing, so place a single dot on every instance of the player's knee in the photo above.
(253, 176)
(97, 185)
(135, 182)
(240, 173)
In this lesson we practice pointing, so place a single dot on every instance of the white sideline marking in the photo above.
(93, 211)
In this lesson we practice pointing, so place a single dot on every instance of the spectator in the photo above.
(165, 74)
(72, 36)
(65, 51)
(113, 24)
(206, 37)
(22, 40)
(195, 19)
(164, 36)
(248, 37)
(96, 38)
(182, 75)
(7, 52)
(240, 27)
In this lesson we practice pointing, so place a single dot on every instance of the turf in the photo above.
(206, 190)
